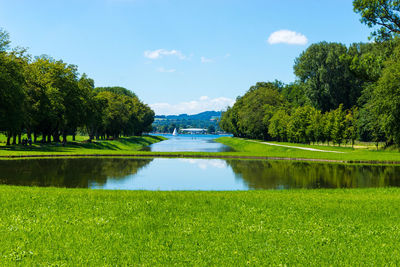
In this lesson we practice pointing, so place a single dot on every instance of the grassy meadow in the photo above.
(246, 147)
(123, 145)
(49, 226)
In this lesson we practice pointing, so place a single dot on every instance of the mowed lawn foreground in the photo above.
(43, 226)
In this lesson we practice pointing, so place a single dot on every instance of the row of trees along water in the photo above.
(341, 94)
(48, 98)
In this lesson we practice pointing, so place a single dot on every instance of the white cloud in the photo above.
(159, 53)
(204, 103)
(205, 164)
(206, 60)
(161, 69)
(227, 55)
(287, 37)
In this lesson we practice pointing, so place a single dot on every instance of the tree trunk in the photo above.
(8, 138)
(14, 142)
(49, 138)
(73, 137)
(19, 139)
(34, 137)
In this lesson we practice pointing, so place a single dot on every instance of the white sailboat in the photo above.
(175, 132)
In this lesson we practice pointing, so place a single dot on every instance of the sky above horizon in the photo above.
(180, 56)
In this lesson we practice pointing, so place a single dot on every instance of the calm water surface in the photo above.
(189, 143)
(193, 174)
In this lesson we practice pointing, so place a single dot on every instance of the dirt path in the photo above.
(298, 147)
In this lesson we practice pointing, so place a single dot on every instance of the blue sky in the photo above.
(180, 56)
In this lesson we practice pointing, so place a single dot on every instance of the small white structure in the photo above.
(194, 131)
(175, 132)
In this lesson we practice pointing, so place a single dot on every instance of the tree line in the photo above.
(48, 98)
(341, 93)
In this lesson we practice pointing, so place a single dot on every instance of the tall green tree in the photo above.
(385, 100)
(278, 125)
(384, 14)
(255, 109)
(325, 71)
(12, 95)
(339, 125)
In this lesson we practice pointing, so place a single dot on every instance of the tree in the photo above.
(351, 122)
(4, 40)
(299, 125)
(294, 93)
(278, 125)
(211, 129)
(255, 109)
(56, 99)
(339, 125)
(328, 122)
(229, 120)
(385, 101)
(381, 13)
(329, 82)
(12, 95)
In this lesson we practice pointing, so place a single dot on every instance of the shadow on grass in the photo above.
(73, 146)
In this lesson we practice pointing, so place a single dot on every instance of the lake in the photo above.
(189, 143)
(193, 174)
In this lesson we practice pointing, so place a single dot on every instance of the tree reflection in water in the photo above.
(67, 172)
(293, 174)
(249, 174)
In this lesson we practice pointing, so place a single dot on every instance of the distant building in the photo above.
(193, 131)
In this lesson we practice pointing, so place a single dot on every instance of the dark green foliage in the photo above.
(250, 115)
(12, 94)
(48, 97)
(324, 68)
(295, 94)
(380, 13)
(385, 100)
(342, 94)
(116, 90)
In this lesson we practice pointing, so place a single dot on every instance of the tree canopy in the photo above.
(49, 97)
(384, 14)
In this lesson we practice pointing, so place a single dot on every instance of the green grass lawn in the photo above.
(49, 226)
(129, 146)
(250, 148)
(124, 145)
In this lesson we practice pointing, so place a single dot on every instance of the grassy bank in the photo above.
(253, 148)
(81, 147)
(243, 149)
(45, 226)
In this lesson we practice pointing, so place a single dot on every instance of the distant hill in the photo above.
(206, 115)
(206, 120)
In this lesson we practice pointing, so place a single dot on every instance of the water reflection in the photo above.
(189, 142)
(293, 174)
(67, 172)
(193, 174)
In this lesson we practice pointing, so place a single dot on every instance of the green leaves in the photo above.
(380, 13)
(250, 115)
(324, 69)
